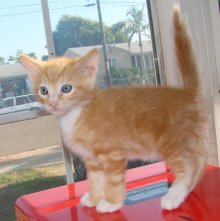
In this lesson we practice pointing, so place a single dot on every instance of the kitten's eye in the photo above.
(43, 90)
(66, 88)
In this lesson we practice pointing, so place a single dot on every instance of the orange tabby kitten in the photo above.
(108, 127)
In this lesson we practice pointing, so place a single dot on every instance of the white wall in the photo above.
(197, 15)
(215, 21)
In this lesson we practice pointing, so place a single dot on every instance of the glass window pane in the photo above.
(133, 61)
(138, 59)
(112, 62)
(32, 97)
(76, 31)
(7, 103)
(21, 100)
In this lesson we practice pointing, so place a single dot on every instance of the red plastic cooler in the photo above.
(145, 186)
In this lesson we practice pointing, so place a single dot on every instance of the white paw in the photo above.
(85, 201)
(170, 202)
(106, 207)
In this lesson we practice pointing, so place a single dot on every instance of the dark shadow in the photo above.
(80, 171)
(9, 194)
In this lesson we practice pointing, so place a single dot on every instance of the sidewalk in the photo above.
(35, 158)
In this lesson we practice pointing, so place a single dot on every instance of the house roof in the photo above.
(11, 70)
(81, 51)
(134, 48)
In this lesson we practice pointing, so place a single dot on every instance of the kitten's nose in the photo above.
(53, 103)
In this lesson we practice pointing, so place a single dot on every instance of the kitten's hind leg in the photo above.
(114, 169)
(96, 181)
(188, 169)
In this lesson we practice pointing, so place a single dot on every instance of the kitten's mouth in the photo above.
(55, 110)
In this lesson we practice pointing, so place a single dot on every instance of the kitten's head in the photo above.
(60, 83)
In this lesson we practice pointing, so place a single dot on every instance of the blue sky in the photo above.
(22, 25)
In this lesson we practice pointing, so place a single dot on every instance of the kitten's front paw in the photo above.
(86, 202)
(106, 207)
(170, 202)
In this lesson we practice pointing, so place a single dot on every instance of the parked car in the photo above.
(19, 108)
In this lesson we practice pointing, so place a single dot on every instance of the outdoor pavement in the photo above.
(35, 158)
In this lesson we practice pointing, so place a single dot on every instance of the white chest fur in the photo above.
(67, 124)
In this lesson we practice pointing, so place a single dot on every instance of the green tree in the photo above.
(73, 31)
(19, 51)
(44, 58)
(2, 60)
(11, 58)
(119, 35)
(135, 25)
(32, 55)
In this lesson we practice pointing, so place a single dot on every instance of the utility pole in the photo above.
(51, 54)
(108, 75)
(48, 29)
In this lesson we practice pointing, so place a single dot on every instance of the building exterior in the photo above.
(120, 56)
(14, 81)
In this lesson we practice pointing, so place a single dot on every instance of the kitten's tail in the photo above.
(184, 54)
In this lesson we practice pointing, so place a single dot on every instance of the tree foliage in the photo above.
(2, 60)
(19, 52)
(32, 55)
(11, 58)
(136, 23)
(44, 57)
(15, 59)
(73, 31)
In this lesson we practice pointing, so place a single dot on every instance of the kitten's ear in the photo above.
(32, 66)
(88, 65)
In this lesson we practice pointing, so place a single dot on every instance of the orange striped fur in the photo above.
(108, 127)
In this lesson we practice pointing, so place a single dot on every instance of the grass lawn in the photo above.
(18, 183)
